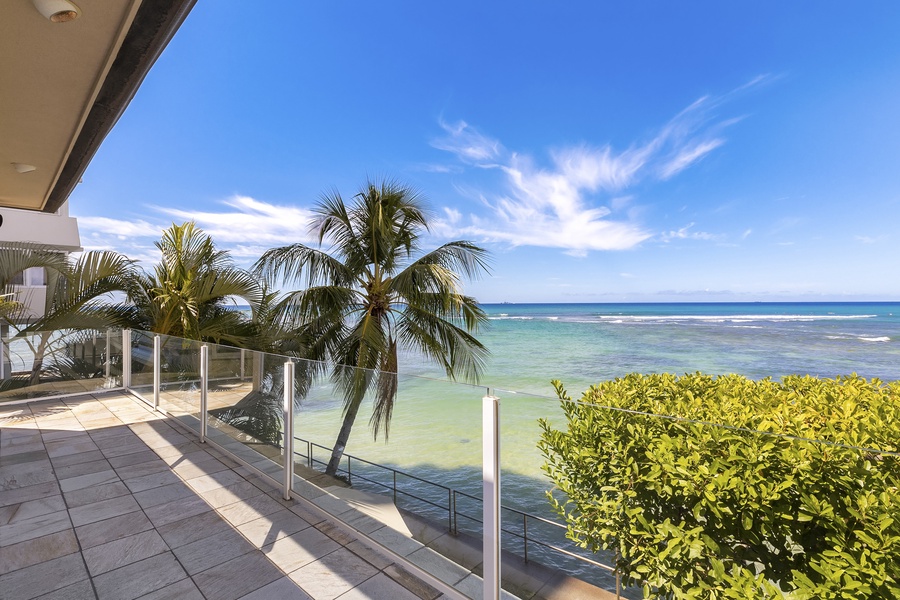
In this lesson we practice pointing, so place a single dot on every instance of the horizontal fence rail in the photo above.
(451, 507)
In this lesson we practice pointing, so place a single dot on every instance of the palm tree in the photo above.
(16, 258)
(189, 291)
(366, 297)
(79, 294)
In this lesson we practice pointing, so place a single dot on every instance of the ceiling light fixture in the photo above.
(23, 168)
(58, 11)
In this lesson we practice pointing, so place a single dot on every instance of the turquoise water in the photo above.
(436, 428)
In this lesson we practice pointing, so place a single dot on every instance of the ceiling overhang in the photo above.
(65, 85)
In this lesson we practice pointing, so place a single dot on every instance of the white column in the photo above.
(3, 330)
(126, 358)
(491, 492)
(204, 387)
(288, 429)
(156, 370)
(108, 351)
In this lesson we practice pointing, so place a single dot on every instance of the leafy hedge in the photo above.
(694, 510)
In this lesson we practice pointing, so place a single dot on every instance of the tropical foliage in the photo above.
(370, 293)
(189, 292)
(79, 296)
(694, 509)
(14, 260)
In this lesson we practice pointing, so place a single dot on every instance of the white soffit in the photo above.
(50, 75)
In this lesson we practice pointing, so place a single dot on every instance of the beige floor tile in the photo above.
(333, 574)
(204, 554)
(237, 577)
(90, 495)
(105, 509)
(89, 480)
(249, 509)
(139, 578)
(123, 551)
(37, 550)
(44, 577)
(264, 531)
(185, 589)
(35, 527)
(294, 551)
(282, 589)
(112, 529)
(176, 510)
(379, 586)
(191, 529)
(31, 508)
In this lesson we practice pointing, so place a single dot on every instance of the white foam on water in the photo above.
(875, 339)
(502, 318)
(724, 318)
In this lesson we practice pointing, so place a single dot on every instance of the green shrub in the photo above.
(694, 510)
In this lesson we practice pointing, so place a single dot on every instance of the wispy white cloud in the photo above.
(437, 168)
(118, 227)
(685, 233)
(246, 228)
(687, 156)
(467, 143)
(251, 222)
(868, 239)
(557, 206)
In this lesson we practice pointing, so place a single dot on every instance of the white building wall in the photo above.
(58, 230)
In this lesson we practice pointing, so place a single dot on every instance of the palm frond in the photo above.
(299, 264)
(455, 349)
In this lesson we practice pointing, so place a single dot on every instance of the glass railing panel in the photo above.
(416, 490)
(58, 363)
(142, 363)
(113, 359)
(245, 403)
(533, 536)
(179, 390)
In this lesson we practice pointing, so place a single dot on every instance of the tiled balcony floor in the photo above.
(100, 497)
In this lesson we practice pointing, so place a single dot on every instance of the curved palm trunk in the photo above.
(38, 362)
(343, 435)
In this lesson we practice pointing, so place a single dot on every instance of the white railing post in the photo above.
(108, 351)
(157, 354)
(126, 358)
(243, 360)
(491, 492)
(3, 330)
(288, 429)
(204, 388)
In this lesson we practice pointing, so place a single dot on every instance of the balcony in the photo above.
(137, 464)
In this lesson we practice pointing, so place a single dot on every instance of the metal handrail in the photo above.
(453, 513)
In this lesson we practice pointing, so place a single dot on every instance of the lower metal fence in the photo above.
(449, 503)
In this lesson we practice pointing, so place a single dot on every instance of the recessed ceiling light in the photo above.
(23, 168)
(58, 11)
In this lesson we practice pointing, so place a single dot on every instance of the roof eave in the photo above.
(153, 27)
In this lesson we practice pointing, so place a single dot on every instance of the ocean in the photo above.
(436, 428)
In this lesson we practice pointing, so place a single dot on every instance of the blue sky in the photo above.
(603, 152)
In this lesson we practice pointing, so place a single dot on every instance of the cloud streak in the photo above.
(247, 228)
(557, 205)
(251, 222)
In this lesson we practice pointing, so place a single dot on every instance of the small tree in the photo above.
(707, 506)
